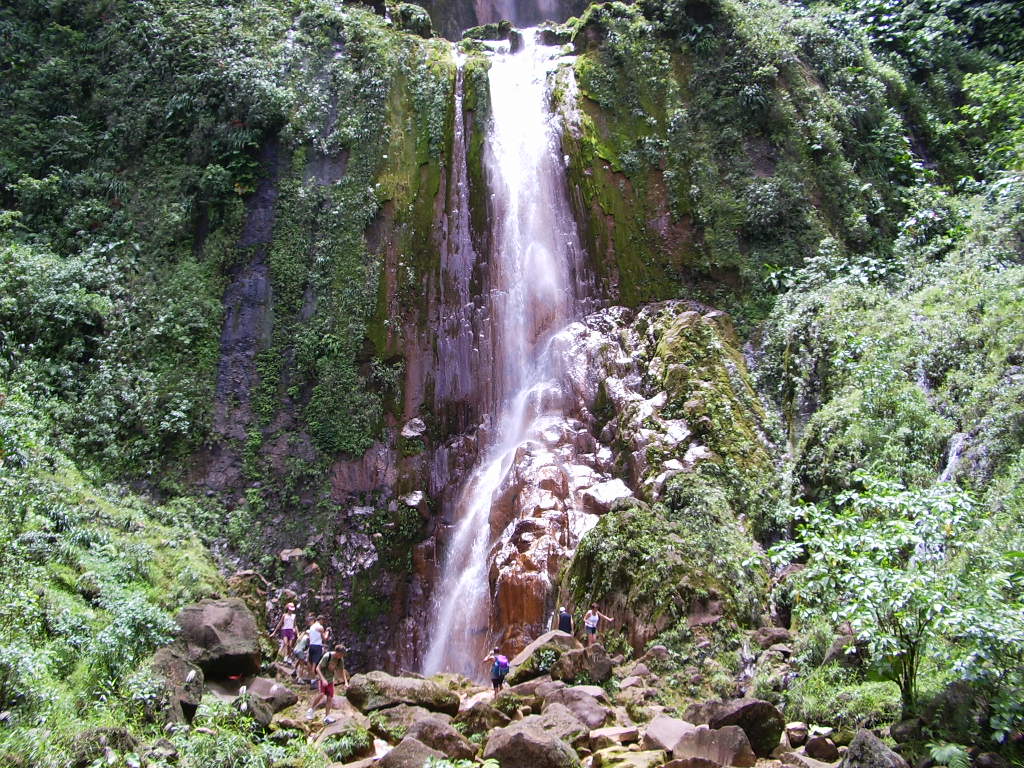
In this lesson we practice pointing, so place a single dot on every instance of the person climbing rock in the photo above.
(330, 670)
(590, 622)
(316, 641)
(285, 627)
(564, 620)
(499, 668)
(300, 654)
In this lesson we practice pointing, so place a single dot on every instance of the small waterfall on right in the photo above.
(534, 262)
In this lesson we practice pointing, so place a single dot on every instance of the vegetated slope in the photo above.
(810, 170)
(803, 168)
(90, 580)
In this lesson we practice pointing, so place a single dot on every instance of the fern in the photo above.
(950, 755)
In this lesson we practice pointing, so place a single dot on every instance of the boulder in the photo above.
(600, 498)
(691, 762)
(613, 736)
(906, 730)
(160, 752)
(867, 751)
(990, 760)
(797, 760)
(821, 748)
(620, 757)
(533, 742)
(277, 696)
(592, 662)
(532, 662)
(766, 637)
(183, 684)
(378, 690)
(394, 722)
(664, 732)
(760, 720)
(409, 753)
(725, 746)
(481, 717)
(254, 708)
(796, 732)
(582, 703)
(221, 637)
(435, 731)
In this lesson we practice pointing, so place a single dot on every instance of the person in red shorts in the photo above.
(330, 670)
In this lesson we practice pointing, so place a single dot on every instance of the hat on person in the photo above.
(290, 606)
(562, 609)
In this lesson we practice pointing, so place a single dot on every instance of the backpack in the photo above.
(500, 668)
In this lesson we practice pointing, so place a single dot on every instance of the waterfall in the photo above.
(534, 261)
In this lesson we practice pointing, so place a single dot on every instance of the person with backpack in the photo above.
(499, 669)
(330, 669)
(590, 622)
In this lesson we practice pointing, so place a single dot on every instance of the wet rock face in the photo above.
(650, 400)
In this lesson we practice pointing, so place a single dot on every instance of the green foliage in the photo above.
(994, 116)
(351, 743)
(831, 694)
(881, 561)
(951, 755)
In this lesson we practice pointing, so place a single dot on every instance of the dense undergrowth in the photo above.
(846, 178)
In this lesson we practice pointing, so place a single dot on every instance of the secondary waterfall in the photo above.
(535, 260)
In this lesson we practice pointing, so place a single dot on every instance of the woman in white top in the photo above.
(286, 626)
(590, 622)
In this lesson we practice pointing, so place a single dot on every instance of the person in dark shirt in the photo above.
(564, 620)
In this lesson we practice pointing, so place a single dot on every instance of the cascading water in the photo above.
(534, 263)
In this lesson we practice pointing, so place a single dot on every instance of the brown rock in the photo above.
(664, 732)
(592, 662)
(766, 637)
(797, 760)
(277, 696)
(221, 637)
(821, 748)
(615, 735)
(528, 743)
(760, 720)
(581, 703)
(620, 757)
(409, 753)
(378, 690)
(183, 684)
(725, 746)
(435, 731)
(867, 751)
(482, 717)
(796, 732)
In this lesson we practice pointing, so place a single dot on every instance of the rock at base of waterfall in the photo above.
(435, 731)
(481, 717)
(664, 732)
(591, 662)
(410, 753)
(378, 690)
(583, 703)
(760, 720)
(599, 498)
(724, 746)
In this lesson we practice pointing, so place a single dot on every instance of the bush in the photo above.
(832, 695)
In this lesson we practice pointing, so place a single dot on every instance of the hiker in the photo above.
(316, 634)
(564, 621)
(499, 668)
(300, 654)
(286, 627)
(329, 670)
(590, 621)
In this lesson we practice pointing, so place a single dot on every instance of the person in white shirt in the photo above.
(590, 622)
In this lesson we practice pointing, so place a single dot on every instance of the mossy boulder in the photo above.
(414, 19)
(378, 690)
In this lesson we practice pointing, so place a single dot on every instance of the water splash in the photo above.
(534, 262)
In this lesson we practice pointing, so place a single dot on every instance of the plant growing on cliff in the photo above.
(881, 559)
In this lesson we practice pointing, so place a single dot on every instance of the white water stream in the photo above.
(535, 257)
